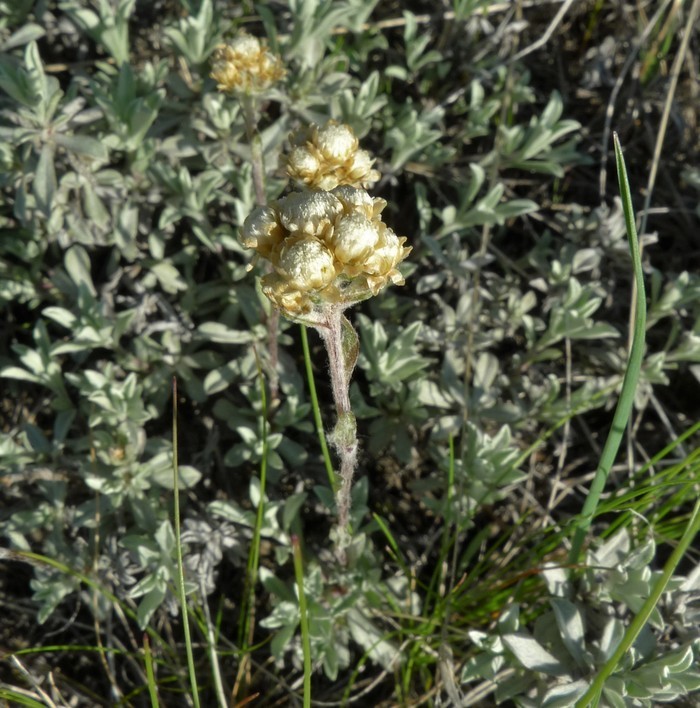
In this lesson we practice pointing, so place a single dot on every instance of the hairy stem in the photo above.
(341, 344)
(258, 166)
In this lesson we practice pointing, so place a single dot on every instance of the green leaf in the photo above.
(14, 372)
(60, 315)
(45, 179)
(83, 145)
(571, 630)
(24, 35)
(218, 332)
(533, 655)
(187, 476)
(290, 510)
(150, 603)
(77, 264)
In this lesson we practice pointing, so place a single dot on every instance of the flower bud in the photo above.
(354, 199)
(302, 164)
(380, 267)
(354, 238)
(336, 142)
(307, 265)
(323, 158)
(245, 66)
(308, 212)
(291, 301)
(262, 231)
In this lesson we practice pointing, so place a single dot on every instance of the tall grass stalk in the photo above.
(318, 420)
(178, 552)
(303, 620)
(150, 675)
(631, 377)
(247, 614)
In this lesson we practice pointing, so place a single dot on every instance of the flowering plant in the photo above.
(328, 249)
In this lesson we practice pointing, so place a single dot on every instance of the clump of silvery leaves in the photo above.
(551, 661)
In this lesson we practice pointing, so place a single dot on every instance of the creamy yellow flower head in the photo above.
(324, 158)
(326, 248)
(245, 66)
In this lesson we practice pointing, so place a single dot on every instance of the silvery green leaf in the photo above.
(571, 629)
(565, 695)
(150, 603)
(585, 260)
(15, 372)
(60, 315)
(482, 666)
(77, 264)
(230, 511)
(371, 639)
(169, 277)
(187, 476)
(275, 586)
(612, 634)
(45, 179)
(218, 332)
(613, 697)
(290, 509)
(518, 684)
(37, 440)
(486, 369)
(165, 537)
(83, 145)
(613, 552)
(25, 34)
(532, 655)
(430, 394)
(557, 580)
(514, 208)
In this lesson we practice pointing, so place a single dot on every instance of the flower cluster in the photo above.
(326, 248)
(245, 66)
(323, 158)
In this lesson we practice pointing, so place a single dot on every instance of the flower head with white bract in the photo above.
(324, 158)
(245, 66)
(326, 249)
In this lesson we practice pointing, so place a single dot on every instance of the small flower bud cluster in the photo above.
(324, 158)
(245, 66)
(326, 248)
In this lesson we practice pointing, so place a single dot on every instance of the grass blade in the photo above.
(303, 620)
(317, 410)
(631, 377)
(178, 551)
(150, 675)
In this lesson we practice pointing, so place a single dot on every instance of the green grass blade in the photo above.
(634, 365)
(317, 410)
(247, 613)
(180, 568)
(303, 620)
(150, 675)
(19, 699)
(595, 690)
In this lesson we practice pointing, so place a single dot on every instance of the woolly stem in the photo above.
(258, 166)
(342, 346)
